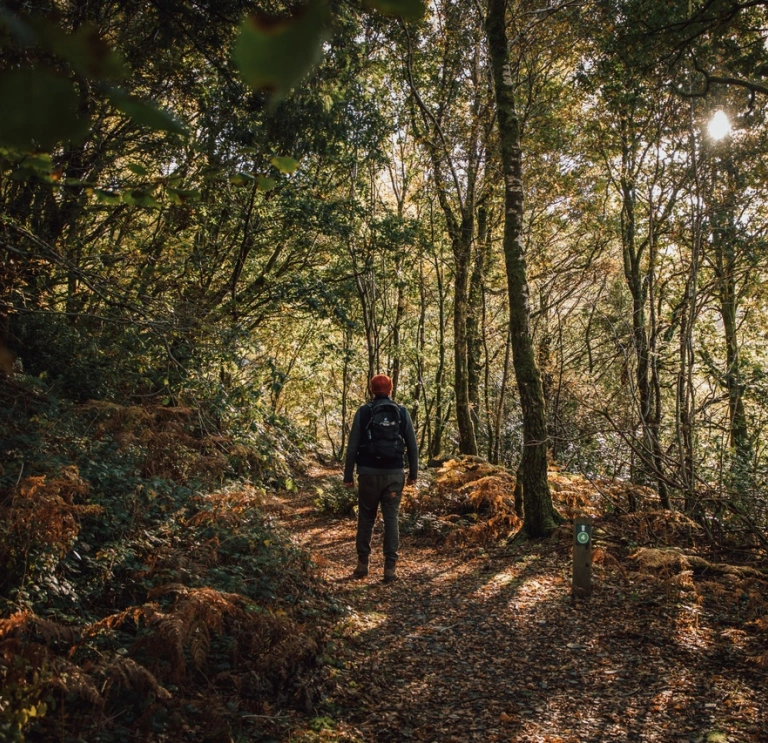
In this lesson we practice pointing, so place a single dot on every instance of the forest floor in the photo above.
(486, 644)
(139, 607)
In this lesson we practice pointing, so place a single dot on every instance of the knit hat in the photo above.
(381, 384)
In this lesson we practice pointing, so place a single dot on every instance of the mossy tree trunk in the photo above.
(540, 517)
(475, 318)
(723, 242)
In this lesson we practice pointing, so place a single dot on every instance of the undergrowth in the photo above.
(145, 592)
(333, 498)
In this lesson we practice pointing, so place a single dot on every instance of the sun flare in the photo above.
(719, 126)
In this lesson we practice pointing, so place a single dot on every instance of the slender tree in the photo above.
(540, 515)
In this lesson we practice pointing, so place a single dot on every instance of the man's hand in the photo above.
(349, 485)
(411, 481)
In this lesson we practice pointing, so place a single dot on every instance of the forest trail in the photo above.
(486, 645)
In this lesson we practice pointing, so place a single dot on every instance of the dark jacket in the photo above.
(353, 446)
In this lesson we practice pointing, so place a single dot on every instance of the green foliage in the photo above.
(84, 48)
(408, 9)
(145, 113)
(266, 184)
(40, 110)
(21, 698)
(285, 164)
(44, 107)
(80, 362)
(336, 499)
(274, 55)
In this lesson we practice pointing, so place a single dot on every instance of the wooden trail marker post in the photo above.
(582, 558)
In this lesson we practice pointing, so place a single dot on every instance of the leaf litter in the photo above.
(480, 639)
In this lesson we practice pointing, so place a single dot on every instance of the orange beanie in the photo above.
(381, 384)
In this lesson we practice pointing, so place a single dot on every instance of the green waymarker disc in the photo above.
(582, 537)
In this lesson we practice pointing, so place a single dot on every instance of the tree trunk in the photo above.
(647, 471)
(494, 456)
(436, 443)
(396, 326)
(458, 202)
(723, 246)
(345, 384)
(544, 362)
(475, 327)
(421, 342)
(540, 515)
(462, 253)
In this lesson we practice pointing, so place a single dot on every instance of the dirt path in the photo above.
(487, 646)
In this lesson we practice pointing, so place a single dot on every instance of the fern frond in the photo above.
(15, 624)
(71, 679)
(199, 645)
(171, 635)
(125, 673)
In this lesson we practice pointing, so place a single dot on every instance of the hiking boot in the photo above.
(361, 570)
(390, 572)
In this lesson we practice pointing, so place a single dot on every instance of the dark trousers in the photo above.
(386, 490)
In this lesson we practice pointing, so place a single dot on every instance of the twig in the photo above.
(18, 479)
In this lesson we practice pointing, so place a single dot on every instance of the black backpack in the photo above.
(381, 437)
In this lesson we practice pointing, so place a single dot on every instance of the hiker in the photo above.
(381, 432)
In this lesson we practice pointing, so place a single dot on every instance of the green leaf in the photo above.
(275, 54)
(145, 113)
(178, 196)
(88, 53)
(141, 198)
(22, 173)
(240, 178)
(137, 168)
(285, 164)
(107, 197)
(39, 110)
(266, 184)
(408, 9)
(41, 163)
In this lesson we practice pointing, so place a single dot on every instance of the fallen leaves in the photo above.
(485, 644)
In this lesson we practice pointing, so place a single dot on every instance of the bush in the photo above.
(80, 363)
(335, 499)
(137, 577)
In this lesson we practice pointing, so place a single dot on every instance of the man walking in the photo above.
(381, 432)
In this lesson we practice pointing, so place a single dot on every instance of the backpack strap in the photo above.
(368, 407)
(372, 404)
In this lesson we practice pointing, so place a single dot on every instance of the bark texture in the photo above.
(540, 517)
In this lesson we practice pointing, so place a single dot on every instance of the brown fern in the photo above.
(71, 679)
(44, 512)
(125, 673)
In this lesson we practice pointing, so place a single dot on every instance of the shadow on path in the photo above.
(488, 646)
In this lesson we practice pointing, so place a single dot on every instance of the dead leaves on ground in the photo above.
(486, 645)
